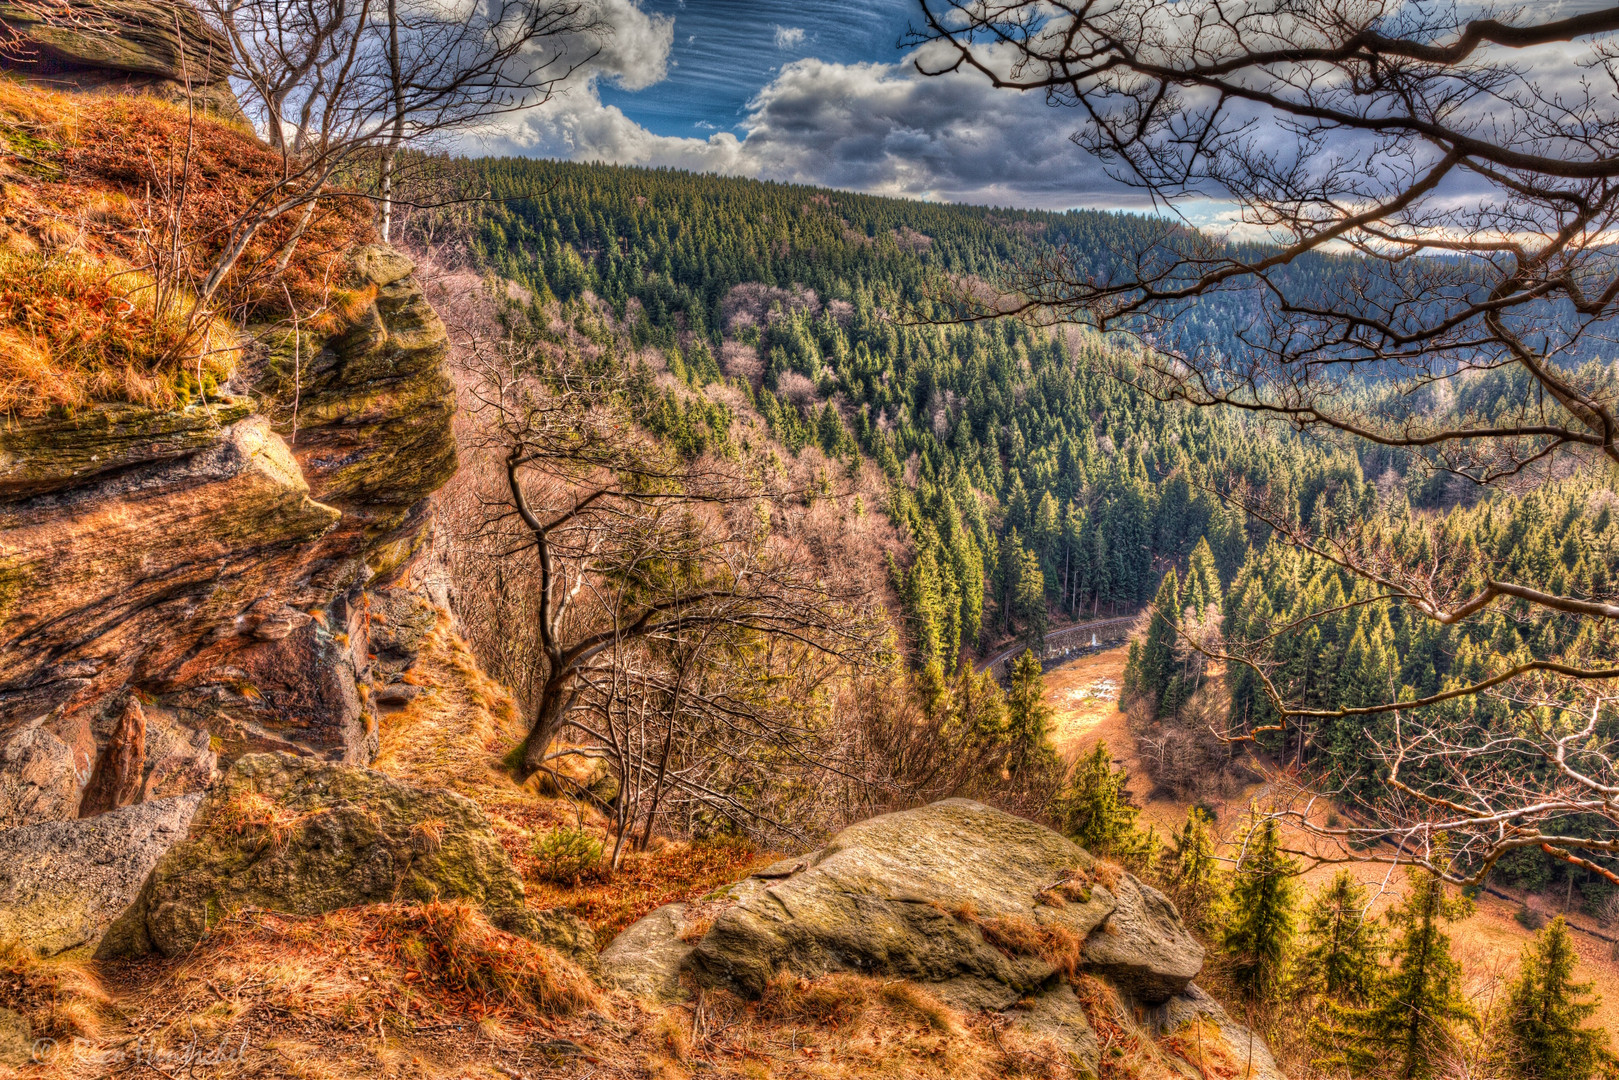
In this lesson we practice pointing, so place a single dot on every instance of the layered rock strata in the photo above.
(183, 586)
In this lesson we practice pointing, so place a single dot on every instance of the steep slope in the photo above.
(186, 578)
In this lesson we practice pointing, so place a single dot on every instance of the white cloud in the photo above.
(635, 55)
(789, 37)
(881, 128)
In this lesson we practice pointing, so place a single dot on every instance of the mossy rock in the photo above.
(52, 453)
(298, 835)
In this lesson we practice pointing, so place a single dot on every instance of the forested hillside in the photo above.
(1024, 464)
(1032, 483)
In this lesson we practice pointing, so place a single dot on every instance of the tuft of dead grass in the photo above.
(248, 813)
(676, 873)
(60, 999)
(400, 965)
(76, 330)
(1056, 945)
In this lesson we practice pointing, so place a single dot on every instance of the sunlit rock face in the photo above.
(218, 565)
(126, 46)
(988, 911)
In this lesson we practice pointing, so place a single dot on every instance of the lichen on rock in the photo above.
(62, 883)
(296, 835)
(985, 910)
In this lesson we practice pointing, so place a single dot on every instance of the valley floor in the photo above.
(1085, 696)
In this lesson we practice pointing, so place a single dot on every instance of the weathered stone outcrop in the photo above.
(140, 46)
(63, 882)
(221, 561)
(983, 908)
(298, 835)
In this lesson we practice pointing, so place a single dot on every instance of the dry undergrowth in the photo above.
(84, 212)
(453, 733)
(58, 999)
(843, 1027)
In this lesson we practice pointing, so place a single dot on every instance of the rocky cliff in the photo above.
(180, 587)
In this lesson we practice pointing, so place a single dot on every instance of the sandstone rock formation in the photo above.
(223, 561)
(150, 46)
(297, 835)
(988, 911)
(63, 882)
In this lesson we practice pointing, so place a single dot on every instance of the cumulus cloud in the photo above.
(880, 128)
(634, 54)
(789, 37)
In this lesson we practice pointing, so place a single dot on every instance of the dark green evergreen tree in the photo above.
(1095, 810)
(1260, 913)
(1190, 868)
(1342, 943)
(1028, 719)
(1546, 1014)
(1408, 1025)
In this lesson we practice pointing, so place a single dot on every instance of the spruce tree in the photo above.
(1156, 668)
(1095, 811)
(1546, 1012)
(1028, 718)
(1029, 600)
(1341, 943)
(1409, 1020)
(1259, 920)
(1190, 869)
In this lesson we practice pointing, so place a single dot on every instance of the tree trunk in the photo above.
(397, 135)
(548, 717)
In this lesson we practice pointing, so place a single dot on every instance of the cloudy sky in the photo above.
(812, 91)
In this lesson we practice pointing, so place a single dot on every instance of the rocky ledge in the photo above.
(178, 588)
(988, 911)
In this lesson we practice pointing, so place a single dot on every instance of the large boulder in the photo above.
(161, 47)
(986, 910)
(298, 835)
(63, 882)
(933, 895)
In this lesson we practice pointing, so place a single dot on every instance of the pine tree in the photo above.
(1546, 1011)
(1259, 920)
(1028, 718)
(1414, 1005)
(1095, 811)
(1189, 867)
(1342, 943)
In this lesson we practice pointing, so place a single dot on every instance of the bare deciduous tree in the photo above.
(333, 84)
(663, 594)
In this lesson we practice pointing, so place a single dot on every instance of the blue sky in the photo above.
(724, 51)
(817, 92)
(824, 92)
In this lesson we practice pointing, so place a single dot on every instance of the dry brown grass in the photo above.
(250, 813)
(75, 330)
(402, 965)
(454, 732)
(612, 899)
(1056, 945)
(81, 211)
(60, 999)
